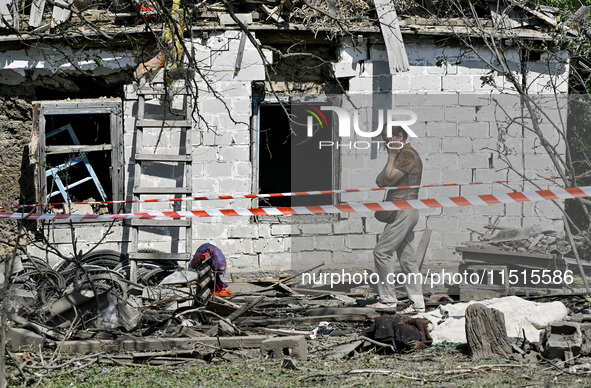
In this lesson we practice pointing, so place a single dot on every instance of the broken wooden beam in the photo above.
(155, 344)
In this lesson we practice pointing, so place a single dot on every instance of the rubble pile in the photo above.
(172, 315)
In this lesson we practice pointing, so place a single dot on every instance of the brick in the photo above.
(366, 85)
(441, 129)
(281, 347)
(427, 113)
(400, 83)
(457, 83)
(345, 69)
(227, 20)
(280, 260)
(449, 160)
(269, 245)
(302, 244)
(458, 145)
(361, 241)
(282, 229)
(235, 185)
(355, 257)
(243, 231)
(353, 225)
(312, 258)
(354, 54)
(217, 169)
(242, 261)
(234, 153)
(18, 339)
(561, 337)
(426, 83)
(454, 239)
(474, 130)
(315, 229)
(460, 114)
(205, 154)
(333, 243)
(443, 223)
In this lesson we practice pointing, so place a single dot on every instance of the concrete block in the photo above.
(449, 160)
(242, 261)
(363, 258)
(345, 69)
(234, 153)
(354, 54)
(361, 241)
(269, 245)
(348, 226)
(457, 83)
(400, 83)
(365, 85)
(283, 260)
(309, 259)
(441, 129)
(428, 113)
(282, 230)
(425, 83)
(281, 347)
(227, 20)
(378, 52)
(315, 229)
(459, 145)
(217, 170)
(586, 339)
(217, 41)
(18, 339)
(561, 337)
(460, 114)
(235, 186)
(330, 243)
(474, 130)
(243, 231)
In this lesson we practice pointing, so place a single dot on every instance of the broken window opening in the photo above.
(289, 160)
(80, 151)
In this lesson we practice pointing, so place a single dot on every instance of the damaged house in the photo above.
(116, 109)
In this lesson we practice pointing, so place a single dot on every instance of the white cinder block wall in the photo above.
(458, 130)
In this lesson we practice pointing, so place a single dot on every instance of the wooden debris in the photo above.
(486, 332)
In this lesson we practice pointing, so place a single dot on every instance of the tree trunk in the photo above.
(486, 332)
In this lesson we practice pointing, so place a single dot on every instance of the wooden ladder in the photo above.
(142, 158)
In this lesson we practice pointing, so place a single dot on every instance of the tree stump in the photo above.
(486, 332)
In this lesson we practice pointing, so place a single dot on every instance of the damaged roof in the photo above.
(87, 18)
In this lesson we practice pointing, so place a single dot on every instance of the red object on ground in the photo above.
(222, 292)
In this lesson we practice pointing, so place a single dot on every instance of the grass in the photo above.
(443, 365)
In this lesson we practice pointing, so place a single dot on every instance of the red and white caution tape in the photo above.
(476, 200)
(275, 195)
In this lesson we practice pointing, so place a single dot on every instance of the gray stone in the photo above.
(291, 346)
(22, 339)
(561, 337)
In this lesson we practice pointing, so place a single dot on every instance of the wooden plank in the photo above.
(61, 12)
(36, 14)
(163, 158)
(422, 248)
(162, 190)
(77, 148)
(163, 123)
(397, 57)
(155, 344)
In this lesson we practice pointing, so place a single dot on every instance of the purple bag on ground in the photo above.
(218, 261)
